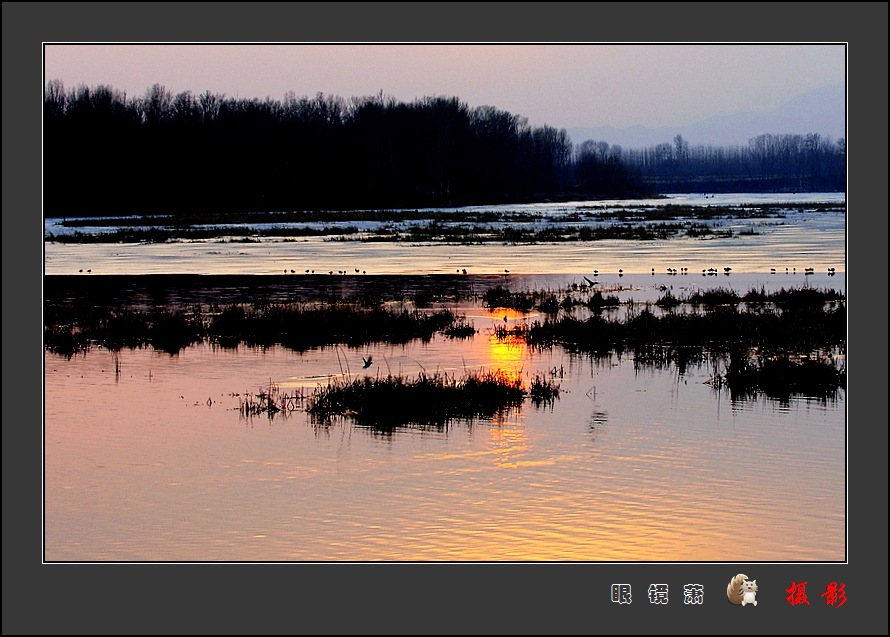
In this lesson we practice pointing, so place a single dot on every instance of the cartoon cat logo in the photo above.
(741, 590)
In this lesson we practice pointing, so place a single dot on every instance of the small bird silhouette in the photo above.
(367, 362)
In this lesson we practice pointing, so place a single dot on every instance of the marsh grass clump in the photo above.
(69, 331)
(684, 338)
(710, 298)
(427, 399)
(781, 377)
(549, 305)
(262, 323)
(543, 391)
(423, 298)
(795, 298)
(506, 333)
(171, 332)
(696, 230)
(668, 301)
(500, 297)
(546, 301)
(270, 402)
(461, 328)
(300, 328)
(595, 335)
(597, 301)
(64, 340)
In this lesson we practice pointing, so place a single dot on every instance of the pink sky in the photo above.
(557, 84)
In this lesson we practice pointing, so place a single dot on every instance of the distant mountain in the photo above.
(820, 111)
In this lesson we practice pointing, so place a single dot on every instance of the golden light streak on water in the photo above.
(508, 356)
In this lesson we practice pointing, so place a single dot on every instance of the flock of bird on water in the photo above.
(671, 271)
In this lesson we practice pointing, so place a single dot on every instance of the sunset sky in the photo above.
(564, 85)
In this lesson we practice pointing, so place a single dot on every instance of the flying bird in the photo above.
(367, 362)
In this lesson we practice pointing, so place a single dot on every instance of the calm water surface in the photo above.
(630, 464)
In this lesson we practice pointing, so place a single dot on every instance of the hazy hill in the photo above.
(820, 111)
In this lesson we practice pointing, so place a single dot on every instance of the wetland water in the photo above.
(153, 460)
(794, 239)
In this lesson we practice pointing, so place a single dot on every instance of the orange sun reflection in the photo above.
(508, 435)
(507, 355)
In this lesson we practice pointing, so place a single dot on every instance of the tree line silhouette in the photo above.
(105, 153)
(768, 163)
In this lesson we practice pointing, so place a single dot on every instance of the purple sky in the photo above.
(557, 84)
